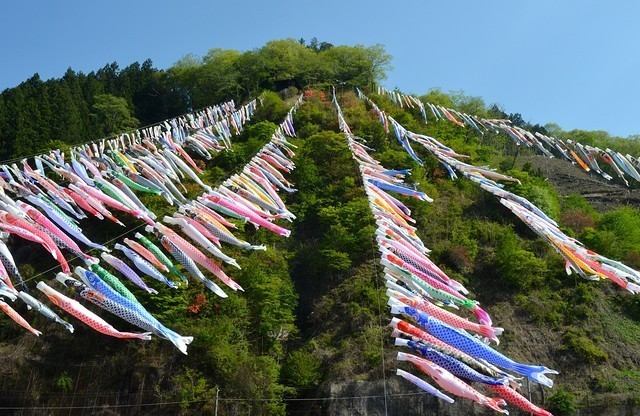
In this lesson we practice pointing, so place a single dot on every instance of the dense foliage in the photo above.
(594, 332)
(38, 115)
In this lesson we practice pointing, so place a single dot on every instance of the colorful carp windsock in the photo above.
(473, 346)
(85, 315)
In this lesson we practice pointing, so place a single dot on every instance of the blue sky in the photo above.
(575, 63)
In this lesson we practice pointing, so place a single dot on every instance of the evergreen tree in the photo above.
(81, 107)
(67, 125)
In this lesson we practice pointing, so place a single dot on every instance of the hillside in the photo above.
(309, 334)
(568, 180)
(550, 317)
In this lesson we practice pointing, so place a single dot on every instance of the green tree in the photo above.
(438, 97)
(186, 73)
(379, 62)
(554, 129)
(4, 127)
(251, 72)
(113, 114)
(562, 403)
(284, 63)
(271, 107)
(302, 369)
(319, 46)
(33, 117)
(74, 83)
(469, 104)
(357, 65)
(147, 92)
(68, 125)
(219, 75)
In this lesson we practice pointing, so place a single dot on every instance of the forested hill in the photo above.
(309, 334)
(38, 115)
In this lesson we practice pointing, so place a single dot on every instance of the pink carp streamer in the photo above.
(83, 314)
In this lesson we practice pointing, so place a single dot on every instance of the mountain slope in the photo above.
(310, 333)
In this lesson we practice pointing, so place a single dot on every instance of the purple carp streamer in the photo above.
(422, 292)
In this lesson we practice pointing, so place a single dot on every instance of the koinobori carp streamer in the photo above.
(419, 290)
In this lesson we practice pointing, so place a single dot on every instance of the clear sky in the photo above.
(575, 63)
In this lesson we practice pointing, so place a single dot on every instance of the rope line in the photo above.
(221, 399)
(128, 232)
(18, 158)
(377, 276)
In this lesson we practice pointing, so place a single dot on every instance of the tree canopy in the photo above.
(113, 114)
(81, 107)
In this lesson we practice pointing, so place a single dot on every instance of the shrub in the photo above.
(577, 220)
(459, 258)
(271, 107)
(584, 347)
(562, 403)
(519, 268)
(64, 382)
(302, 369)
(193, 389)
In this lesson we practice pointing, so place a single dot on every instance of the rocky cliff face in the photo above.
(367, 398)
(402, 400)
